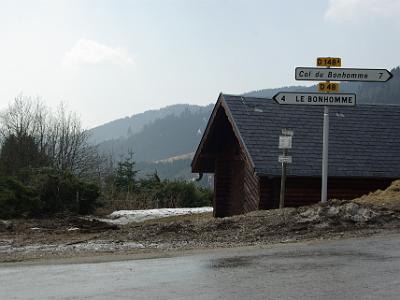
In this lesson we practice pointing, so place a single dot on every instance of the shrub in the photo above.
(48, 193)
(17, 200)
(175, 193)
(88, 197)
(64, 192)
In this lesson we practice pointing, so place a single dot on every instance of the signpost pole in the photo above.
(283, 182)
(325, 148)
(325, 152)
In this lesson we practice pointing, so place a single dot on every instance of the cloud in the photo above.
(362, 10)
(89, 52)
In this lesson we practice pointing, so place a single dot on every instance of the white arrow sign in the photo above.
(342, 74)
(315, 99)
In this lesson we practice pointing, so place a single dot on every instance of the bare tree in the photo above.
(17, 118)
(41, 124)
(59, 135)
(68, 146)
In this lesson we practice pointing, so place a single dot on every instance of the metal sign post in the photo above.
(285, 143)
(325, 150)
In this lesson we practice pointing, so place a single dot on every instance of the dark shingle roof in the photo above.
(364, 141)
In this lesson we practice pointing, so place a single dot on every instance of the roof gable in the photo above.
(220, 117)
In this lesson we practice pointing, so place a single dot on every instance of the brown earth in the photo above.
(389, 198)
(68, 236)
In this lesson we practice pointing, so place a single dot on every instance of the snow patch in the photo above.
(123, 217)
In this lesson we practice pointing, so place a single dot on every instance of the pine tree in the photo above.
(126, 174)
(20, 152)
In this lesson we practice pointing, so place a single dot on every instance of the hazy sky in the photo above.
(110, 59)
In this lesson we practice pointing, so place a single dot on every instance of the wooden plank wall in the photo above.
(304, 191)
(250, 186)
(269, 193)
(235, 185)
(228, 186)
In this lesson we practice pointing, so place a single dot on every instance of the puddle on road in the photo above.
(268, 262)
(231, 262)
(282, 261)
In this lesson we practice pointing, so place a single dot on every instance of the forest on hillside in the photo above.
(128, 126)
(170, 136)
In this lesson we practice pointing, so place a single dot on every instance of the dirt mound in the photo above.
(264, 226)
(345, 213)
(389, 198)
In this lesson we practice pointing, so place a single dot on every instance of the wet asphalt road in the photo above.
(367, 268)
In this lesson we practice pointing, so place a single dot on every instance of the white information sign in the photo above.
(285, 142)
(342, 74)
(285, 159)
(331, 99)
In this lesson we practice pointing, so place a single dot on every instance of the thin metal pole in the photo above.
(283, 182)
(325, 148)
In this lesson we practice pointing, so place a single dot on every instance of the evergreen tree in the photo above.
(126, 174)
(20, 152)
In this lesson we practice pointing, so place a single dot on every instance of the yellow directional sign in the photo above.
(328, 87)
(329, 62)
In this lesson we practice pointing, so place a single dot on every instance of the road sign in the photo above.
(328, 87)
(285, 142)
(285, 159)
(342, 74)
(329, 62)
(315, 99)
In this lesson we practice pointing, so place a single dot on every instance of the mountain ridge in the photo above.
(133, 124)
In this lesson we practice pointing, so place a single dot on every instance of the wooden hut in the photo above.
(240, 146)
